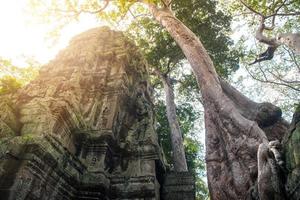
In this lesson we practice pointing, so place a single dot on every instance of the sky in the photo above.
(20, 37)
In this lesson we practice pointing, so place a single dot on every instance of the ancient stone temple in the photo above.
(84, 129)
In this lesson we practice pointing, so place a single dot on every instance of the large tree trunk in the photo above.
(179, 159)
(232, 138)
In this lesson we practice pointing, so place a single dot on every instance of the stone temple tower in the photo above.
(84, 129)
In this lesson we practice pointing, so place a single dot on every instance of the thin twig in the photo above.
(292, 55)
(251, 9)
(282, 80)
(284, 14)
(269, 81)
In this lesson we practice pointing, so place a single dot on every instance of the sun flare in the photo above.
(23, 37)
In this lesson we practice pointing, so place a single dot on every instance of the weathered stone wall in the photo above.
(178, 186)
(84, 128)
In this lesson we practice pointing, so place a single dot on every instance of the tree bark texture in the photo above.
(270, 187)
(179, 159)
(233, 132)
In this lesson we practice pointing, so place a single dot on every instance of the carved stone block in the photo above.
(178, 186)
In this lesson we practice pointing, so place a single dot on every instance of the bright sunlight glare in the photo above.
(22, 38)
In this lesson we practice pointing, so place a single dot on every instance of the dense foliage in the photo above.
(9, 84)
(202, 17)
(13, 77)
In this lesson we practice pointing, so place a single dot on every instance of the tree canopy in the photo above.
(280, 74)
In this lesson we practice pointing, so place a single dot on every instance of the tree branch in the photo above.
(99, 10)
(251, 9)
(282, 80)
(262, 38)
(284, 14)
(266, 80)
(137, 16)
(78, 12)
(272, 43)
(293, 57)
